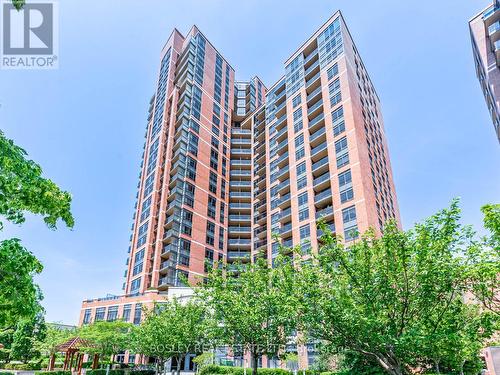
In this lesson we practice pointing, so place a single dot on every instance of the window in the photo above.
(99, 313)
(142, 234)
(299, 147)
(210, 233)
(126, 313)
(305, 234)
(345, 186)
(304, 214)
(301, 182)
(342, 152)
(149, 185)
(214, 159)
(187, 222)
(350, 223)
(302, 199)
(191, 168)
(222, 212)
(188, 194)
(338, 128)
(223, 189)
(112, 313)
(196, 107)
(193, 144)
(301, 168)
(213, 182)
(221, 238)
(338, 114)
(297, 120)
(335, 94)
(332, 71)
(135, 285)
(87, 316)
(212, 202)
(296, 101)
(146, 208)
(138, 313)
(209, 259)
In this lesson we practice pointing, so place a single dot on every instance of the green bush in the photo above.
(103, 372)
(23, 366)
(53, 373)
(141, 372)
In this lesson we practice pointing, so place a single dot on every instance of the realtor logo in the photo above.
(29, 36)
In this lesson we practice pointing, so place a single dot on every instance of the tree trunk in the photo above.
(436, 365)
(254, 358)
(179, 360)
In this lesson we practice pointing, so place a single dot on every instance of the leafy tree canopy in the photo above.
(400, 300)
(23, 189)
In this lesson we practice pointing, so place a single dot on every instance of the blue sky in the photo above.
(84, 123)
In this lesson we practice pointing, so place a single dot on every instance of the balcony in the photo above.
(286, 213)
(282, 145)
(324, 213)
(322, 181)
(282, 173)
(313, 80)
(238, 255)
(241, 242)
(240, 194)
(284, 186)
(320, 166)
(316, 122)
(314, 110)
(241, 151)
(313, 94)
(240, 184)
(325, 195)
(240, 131)
(319, 151)
(317, 136)
(311, 56)
(281, 121)
(241, 141)
(233, 218)
(239, 206)
(284, 201)
(330, 226)
(238, 229)
(286, 229)
(311, 69)
(241, 162)
(240, 173)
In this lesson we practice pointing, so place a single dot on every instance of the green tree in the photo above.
(106, 338)
(389, 298)
(27, 332)
(22, 190)
(170, 331)
(253, 311)
(53, 338)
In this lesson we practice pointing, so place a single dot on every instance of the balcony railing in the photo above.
(323, 195)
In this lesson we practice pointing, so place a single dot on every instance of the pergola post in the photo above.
(66, 359)
(95, 361)
(52, 361)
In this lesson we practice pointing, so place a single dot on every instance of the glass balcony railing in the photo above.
(317, 134)
(320, 163)
(324, 194)
(316, 120)
(321, 179)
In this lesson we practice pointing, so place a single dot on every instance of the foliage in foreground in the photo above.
(251, 310)
(23, 190)
(170, 331)
(398, 300)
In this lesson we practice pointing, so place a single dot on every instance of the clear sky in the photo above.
(84, 123)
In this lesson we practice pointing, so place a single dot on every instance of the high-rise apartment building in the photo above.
(485, 37)
(228, 163)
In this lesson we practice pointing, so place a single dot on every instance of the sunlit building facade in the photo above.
(485, 37)
(226, 164)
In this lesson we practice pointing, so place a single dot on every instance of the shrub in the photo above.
(23, 366)
(53, 373)
(142, 372)
(103, 372)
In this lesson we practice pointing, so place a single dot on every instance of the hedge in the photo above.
(23, 366)
(59, 372)
(228, 370)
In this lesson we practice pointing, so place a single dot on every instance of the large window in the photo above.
(112, 313)
(345, 186)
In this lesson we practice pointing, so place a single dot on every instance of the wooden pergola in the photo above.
(73, 358)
